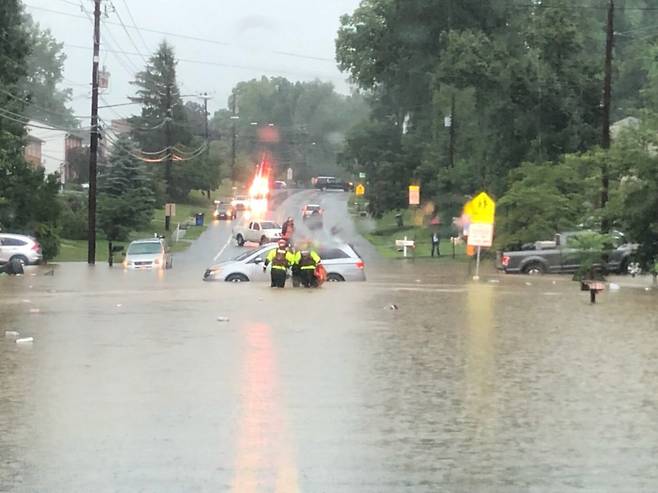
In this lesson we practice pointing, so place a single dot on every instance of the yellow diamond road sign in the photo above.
(482, 209)
(360, 190)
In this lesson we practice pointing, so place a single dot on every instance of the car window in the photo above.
(269, 225)
(144, 248)
(332, 253)
(13, 242)
(261, 255)
(256, 227)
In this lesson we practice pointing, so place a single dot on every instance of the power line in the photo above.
(188, 37)
(134, 25)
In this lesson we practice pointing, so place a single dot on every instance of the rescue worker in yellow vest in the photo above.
(307, 259)
(281, 259)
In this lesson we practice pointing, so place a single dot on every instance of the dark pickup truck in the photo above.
(563, 255)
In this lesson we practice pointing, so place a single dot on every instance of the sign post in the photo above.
(170, 210)
(289, 174)
(481, 211)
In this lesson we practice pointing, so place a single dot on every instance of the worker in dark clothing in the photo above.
(288, 229)
(436, 239)
(281, 259)
(307, 259)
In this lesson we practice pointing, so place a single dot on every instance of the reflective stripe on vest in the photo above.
(280, 261)
(307, 262)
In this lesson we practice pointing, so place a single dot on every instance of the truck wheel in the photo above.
(534, 269)
(240, 240)
(19, 258)
(630, 266)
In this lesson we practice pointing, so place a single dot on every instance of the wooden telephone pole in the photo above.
(93, 148)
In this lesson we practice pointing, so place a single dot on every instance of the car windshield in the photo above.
(269, 225)
(312, 207)
(144, 248)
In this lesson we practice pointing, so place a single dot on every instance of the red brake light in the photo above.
(505, 260)
(360, 264)
(36, 247)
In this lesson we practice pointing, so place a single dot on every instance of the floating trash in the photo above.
(528, 284)
(11, 333)
(223, 319)
(494, 281)
(393, 307)
(25, 340)
(614, 287)
(35, 310)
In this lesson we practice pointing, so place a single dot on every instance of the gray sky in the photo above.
(254, 38)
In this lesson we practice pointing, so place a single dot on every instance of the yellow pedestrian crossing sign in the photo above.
(360, 190)
(482, 209)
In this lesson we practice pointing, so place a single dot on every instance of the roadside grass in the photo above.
(383, 232)
(76, 250)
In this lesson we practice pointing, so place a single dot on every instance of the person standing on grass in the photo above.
(436, 239)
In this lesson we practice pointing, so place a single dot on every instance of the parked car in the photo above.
(240, 202)
(225, 211)
(257, 231)
(152, 253)
(564, 255)
(24, 249)
(280, 185)
(312, 215)
(325, 183)
(341, 262)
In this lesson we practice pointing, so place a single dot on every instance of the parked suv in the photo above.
(25, 249)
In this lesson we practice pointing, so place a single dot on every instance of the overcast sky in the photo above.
(290, 38)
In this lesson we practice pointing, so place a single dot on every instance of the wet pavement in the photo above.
(512, 384)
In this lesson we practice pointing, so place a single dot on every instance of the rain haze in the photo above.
(220, 43)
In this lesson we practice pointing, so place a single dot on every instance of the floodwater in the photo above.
(132, 384)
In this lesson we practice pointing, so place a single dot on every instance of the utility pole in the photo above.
(607, 98)
(93, 148)
(451, 144)
(234, 117)
(169, 146)
(205, 98)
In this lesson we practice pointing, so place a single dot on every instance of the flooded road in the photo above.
(511, 384)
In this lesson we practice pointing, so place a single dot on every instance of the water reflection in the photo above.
(265, 455)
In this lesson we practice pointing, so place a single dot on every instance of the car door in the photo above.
(254, 232)
(11, 247)
(571, 255)
(3, 256)
(255, 266)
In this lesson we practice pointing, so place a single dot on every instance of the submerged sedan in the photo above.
(341, 262)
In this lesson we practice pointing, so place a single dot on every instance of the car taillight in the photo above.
(360, 264)
(505, 260)
(36, 247)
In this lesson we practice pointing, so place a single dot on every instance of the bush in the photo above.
(73, 221)
(48, 236)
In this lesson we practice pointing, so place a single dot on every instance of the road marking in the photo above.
(219, 254)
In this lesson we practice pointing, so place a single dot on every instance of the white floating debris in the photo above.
(119, 305)
(613, 286)
(393, 307)
(11, 333)
(554, 283)
(494, 281)
(27, 301)
(418, 280)
(528, 284)
(25, 340)
(647, 289)
(222, 319)
(35, 310)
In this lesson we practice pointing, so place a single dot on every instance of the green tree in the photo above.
(163, 124)
(126, 199)
(46, 100)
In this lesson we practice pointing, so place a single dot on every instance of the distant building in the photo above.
(33, 151)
